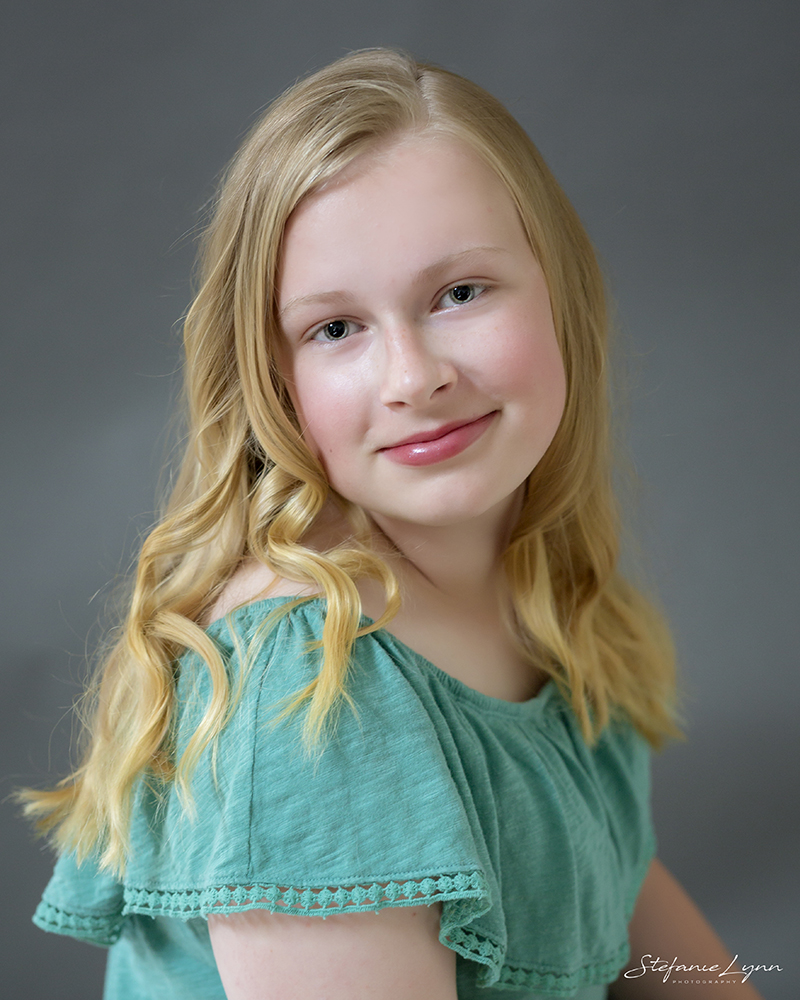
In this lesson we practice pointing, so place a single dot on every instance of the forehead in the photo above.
(418, 198)
(400, 161)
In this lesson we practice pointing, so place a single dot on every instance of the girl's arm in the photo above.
(394, 954)
(666, 925)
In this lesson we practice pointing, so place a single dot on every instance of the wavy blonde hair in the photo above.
(249, 486)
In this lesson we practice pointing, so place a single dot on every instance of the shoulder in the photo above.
(252, 581)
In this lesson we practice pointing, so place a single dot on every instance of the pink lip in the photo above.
(445, 442)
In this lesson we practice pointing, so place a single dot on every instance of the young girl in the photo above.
(378, 724)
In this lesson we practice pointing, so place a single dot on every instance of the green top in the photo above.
(535, 844)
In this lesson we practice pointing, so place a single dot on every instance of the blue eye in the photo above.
(337, 329)
(459, 295)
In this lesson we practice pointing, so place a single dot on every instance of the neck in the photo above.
(462, 562)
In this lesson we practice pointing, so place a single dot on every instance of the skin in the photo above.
(379, 347)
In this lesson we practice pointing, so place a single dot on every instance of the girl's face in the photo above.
(419, 347)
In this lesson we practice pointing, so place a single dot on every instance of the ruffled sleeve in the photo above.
(375, 820)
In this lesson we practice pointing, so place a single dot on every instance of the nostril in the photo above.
(413, 372)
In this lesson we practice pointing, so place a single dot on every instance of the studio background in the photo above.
(672, 125)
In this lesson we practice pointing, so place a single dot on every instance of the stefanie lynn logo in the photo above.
(698, 973)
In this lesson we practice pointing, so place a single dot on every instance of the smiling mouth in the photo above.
(429, 447)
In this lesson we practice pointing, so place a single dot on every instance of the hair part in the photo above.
(249, 485)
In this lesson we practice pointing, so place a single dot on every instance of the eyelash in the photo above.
(316, 333)
(477, 290)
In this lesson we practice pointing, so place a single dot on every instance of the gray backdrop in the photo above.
(673, 126)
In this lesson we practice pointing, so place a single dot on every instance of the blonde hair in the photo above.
(249, 486)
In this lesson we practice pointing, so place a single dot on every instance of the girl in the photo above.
(378, 722)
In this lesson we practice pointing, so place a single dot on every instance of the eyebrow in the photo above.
(454, 258)
(421, 276)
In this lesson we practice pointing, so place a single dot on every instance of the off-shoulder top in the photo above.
(534, 843)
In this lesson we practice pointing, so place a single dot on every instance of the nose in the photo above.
(414, 369)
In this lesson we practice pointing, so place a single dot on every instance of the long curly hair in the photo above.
(250, 487)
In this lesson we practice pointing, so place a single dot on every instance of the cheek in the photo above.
(328, 412)
(524, 365)
(548, 378)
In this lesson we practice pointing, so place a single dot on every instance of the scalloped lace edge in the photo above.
(366, 896)
(500, 973)
(104, 929)
(464, 888)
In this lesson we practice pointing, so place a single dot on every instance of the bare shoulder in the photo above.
(394, 954)
(252, 581)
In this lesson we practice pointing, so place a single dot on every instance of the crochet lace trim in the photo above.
(188, 903)
(104, 929)
(463, 888)
(480, 949)
(565, 983)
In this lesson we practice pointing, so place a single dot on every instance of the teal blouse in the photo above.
(429, 792)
